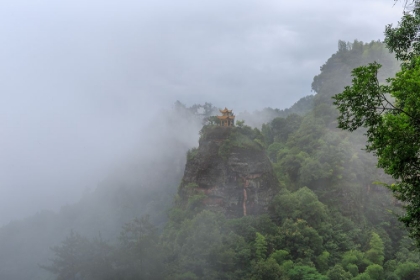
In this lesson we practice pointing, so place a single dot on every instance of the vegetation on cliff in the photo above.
(330, 220)
(230, 172)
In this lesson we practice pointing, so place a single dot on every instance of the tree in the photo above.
(283, 127)
(376, 252)
(72, 258)
(338, 273)
(301, 240)
(404, 40)
(260, 246)
(266, 270)
(305, 272)
(391, 115)
(213, 120)
(354, 261)
(198, 246)
(102, 260)
(140, 256)
(375, 271)
(408, 270)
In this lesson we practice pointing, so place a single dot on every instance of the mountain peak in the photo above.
(229, 173)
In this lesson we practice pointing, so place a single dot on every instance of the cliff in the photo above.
(229, 173)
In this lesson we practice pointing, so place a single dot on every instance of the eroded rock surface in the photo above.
(230, 176)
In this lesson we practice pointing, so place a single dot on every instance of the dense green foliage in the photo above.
(242, 137)
(391, 114)
(330, 220)
(403, 40)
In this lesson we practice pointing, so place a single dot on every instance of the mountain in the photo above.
(229, 172)
(314, 204)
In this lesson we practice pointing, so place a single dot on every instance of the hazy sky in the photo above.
(79, 79)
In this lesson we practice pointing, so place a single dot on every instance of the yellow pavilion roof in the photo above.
(225, 111)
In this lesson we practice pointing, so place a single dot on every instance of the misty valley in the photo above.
(273, 194)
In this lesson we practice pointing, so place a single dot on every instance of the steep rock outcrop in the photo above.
(228, 173)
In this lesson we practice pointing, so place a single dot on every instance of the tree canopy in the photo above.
(391, 114)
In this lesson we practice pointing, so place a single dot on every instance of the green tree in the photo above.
(280, 256)
(260, 247)
(102, 261)
(353, 258)
(273, 150)
(322, 261)
(299, 272)
(408, 271)
(213, 120)
(71, 258)
(240, 123)
(198, 244)
(393, 129)
(403, 40)
(139, 254)
(375, 272)
(266, 270)
(338, 273)
(375, 254)
(300, 239)
(362, 276)
(282, 127)
(353, 269)
(302, 204)
(391, 115)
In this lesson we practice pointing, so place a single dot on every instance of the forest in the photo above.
(342, 204)
(331, 218)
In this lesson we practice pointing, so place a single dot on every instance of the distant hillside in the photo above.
(257, 118)
(145, 184)
(329, 219)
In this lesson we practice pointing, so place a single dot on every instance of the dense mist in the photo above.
(103, 103)
(81, 79)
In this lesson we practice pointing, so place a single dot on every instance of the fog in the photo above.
(81, 81)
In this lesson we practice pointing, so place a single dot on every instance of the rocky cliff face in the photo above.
(229, 173)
